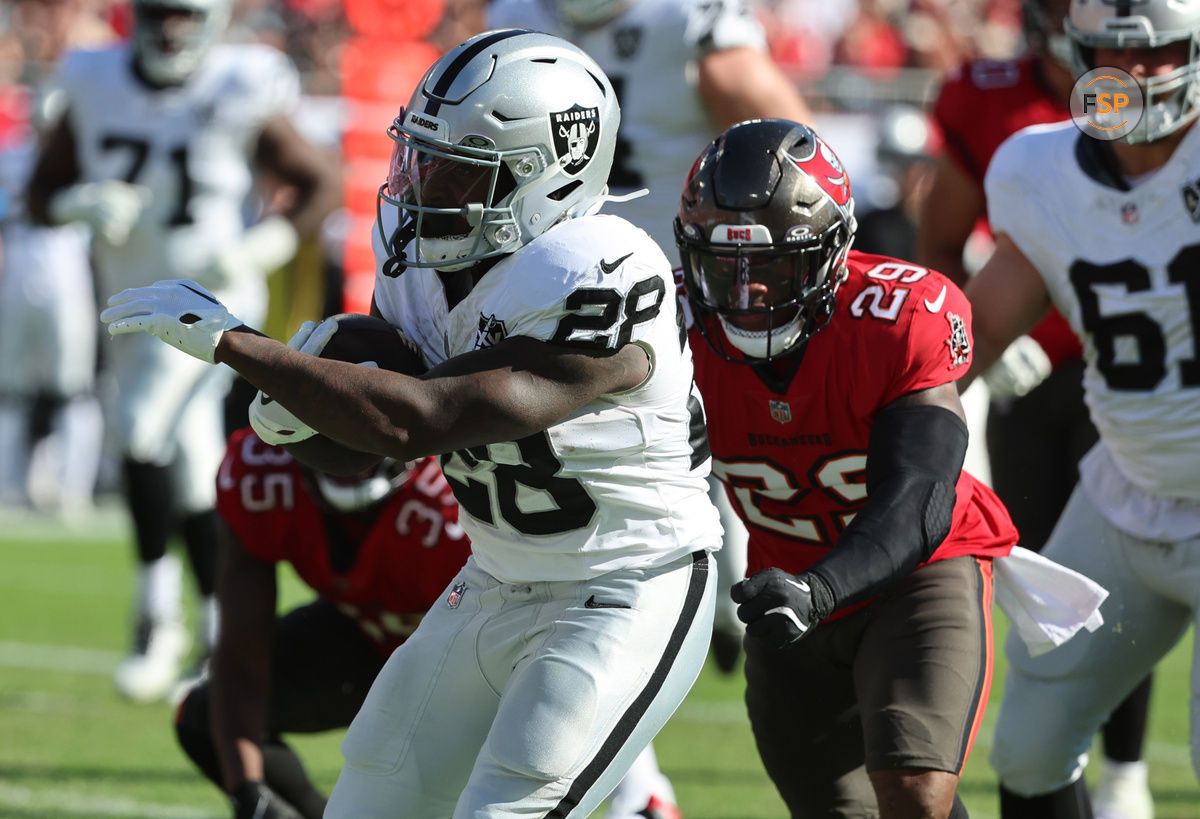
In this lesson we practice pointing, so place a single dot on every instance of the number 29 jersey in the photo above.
(621, 482)
(793, 459)
(191, 146)
(1123, 267)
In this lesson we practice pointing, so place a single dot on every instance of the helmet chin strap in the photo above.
(764, 343)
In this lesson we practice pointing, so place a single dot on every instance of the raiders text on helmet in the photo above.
(1171, 100)
(765, 223)
(505, 135)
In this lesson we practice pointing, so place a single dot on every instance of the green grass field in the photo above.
(69, 747)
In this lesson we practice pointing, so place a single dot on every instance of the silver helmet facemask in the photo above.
(1172, 100)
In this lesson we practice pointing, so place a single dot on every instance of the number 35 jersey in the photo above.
(793, 457)
(383, 570)
(191, 146)
(1123, 266)
(621, 482)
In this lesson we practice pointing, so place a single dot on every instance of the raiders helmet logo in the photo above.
(1191, 198)
(576, 133)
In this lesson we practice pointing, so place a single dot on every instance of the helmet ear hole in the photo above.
(565, 191)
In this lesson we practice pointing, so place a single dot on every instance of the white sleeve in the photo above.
(1010, 208)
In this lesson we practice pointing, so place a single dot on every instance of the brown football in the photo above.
(359, 338)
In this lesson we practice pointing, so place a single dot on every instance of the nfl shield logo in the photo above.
(781, 411)
(491, 331)
(1191, 198)
(456, 595)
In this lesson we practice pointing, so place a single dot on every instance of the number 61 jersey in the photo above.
(792, 453)
(1123, 267)
(621, 482)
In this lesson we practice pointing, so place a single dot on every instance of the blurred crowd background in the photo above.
(869, 69)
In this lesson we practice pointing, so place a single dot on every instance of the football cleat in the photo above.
(1123, 792)
(658, 808)
(151, 672)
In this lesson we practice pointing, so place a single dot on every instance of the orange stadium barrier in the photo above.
(380, 67)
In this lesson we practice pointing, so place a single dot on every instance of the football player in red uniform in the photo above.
(1036, 432)
(378, 551)
(828, 378)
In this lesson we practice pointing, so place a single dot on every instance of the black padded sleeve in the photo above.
(914, 459)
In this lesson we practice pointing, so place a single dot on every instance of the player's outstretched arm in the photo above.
(954, 204)
(914, 458)
(743, 83)
(1008, 297)
(502, 393)
(240, 673)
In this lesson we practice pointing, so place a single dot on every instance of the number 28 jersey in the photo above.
(191, 146)
(1123, 267)
(794, 461)
(621, 482)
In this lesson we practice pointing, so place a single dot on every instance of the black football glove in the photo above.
(255, 800)
(779, 608)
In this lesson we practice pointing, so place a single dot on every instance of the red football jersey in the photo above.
(982, 104)
(794, 463)
(409, 552)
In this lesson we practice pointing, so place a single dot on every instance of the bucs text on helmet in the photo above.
(171, 38)
(506, 135)
(1172, 100)
(765, 222)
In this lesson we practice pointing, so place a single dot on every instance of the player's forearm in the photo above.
(363, 408)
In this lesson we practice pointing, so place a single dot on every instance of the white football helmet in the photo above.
(1171, 100)
(171, 38)
(353, 494)
(506, 134)
(590, 13)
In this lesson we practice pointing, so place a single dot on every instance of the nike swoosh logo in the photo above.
(609, 267)
(593, 603)
(936, 304)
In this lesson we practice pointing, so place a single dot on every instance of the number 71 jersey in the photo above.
(621, 482)
(191, 146)
(1123, 267)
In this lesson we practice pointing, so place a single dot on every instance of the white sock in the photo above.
(81, 425)
(14, 449)
(643, 780)
(160, 589)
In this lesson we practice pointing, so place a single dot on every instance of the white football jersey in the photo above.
(192, 146)
(650, 53)
(620, 483)
(1124, 268)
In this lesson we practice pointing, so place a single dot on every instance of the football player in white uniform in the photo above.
(560, 399)
(684, 70)
(1109, 233)
(47, 341)
(156, 152)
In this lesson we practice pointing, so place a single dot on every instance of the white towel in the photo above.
(1047, 603)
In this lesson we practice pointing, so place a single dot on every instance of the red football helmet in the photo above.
(765, 222)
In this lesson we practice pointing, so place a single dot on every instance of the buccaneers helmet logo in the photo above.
(826, 170)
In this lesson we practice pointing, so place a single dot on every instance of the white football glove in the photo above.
(180, 312)
(1022, 366)
(111, 207)
(274, 423)
(262, 250)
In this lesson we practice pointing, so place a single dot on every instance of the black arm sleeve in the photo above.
(914, 460)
